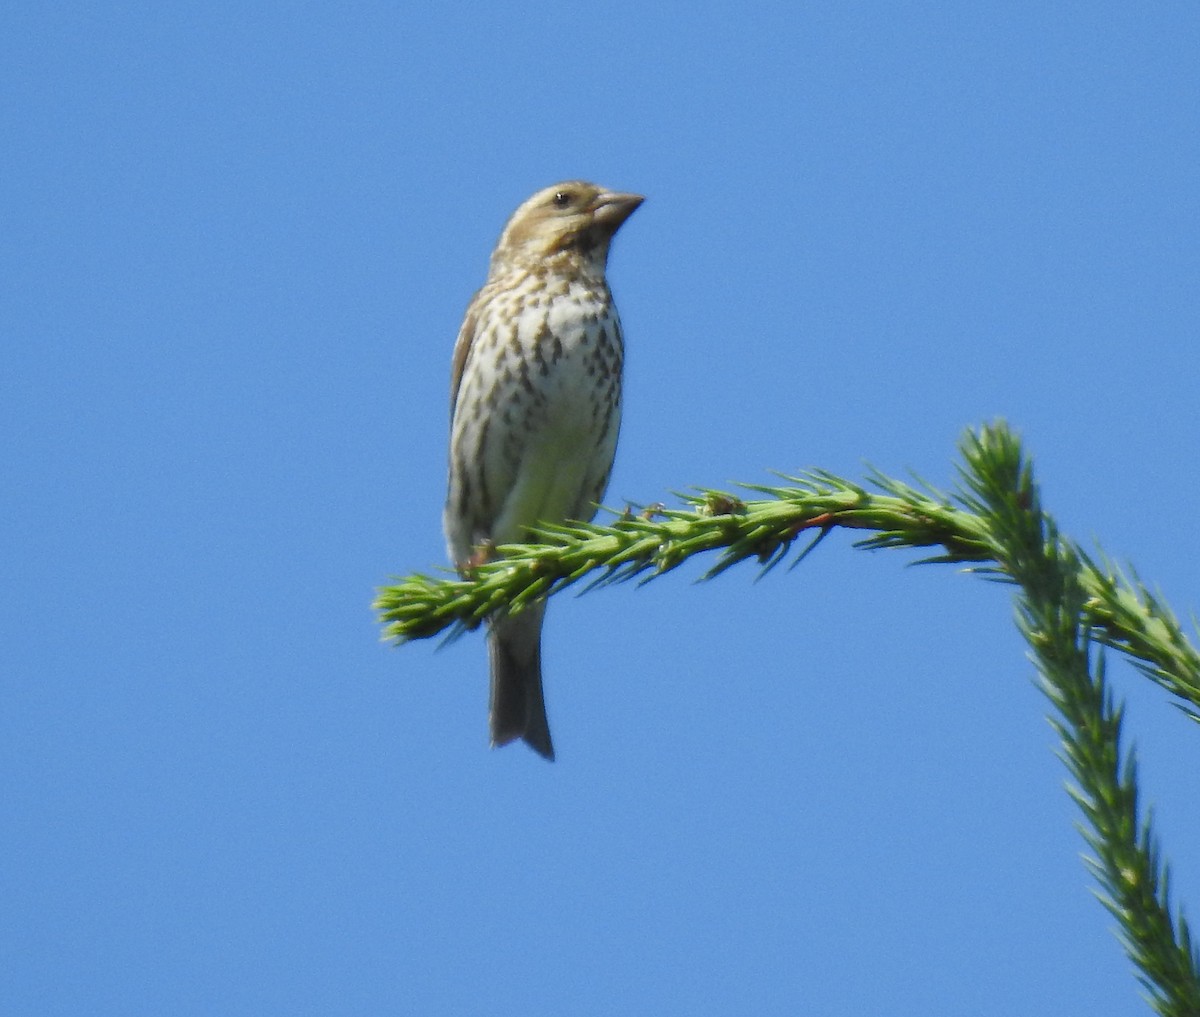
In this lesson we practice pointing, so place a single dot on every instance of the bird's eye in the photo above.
(563, 198)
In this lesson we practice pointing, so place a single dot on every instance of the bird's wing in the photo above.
(462, 348)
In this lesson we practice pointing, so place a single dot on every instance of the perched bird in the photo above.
(535, 402)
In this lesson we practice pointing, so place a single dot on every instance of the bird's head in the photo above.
(574, 218)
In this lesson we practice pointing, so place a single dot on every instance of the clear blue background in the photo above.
(237, 242)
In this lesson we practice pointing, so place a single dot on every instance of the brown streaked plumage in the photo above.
(535, 396)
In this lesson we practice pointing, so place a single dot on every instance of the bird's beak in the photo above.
(611, 208)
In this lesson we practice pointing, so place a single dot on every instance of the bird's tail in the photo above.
(518, 709)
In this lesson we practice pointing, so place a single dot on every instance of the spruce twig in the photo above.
(1070, 606)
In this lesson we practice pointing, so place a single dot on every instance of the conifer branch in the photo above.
(1122, 613)
(1066, 602)
(1056, 612)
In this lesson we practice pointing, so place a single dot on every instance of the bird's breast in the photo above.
(538, 411)
(570, 349)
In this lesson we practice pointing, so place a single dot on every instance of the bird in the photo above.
(535, 401)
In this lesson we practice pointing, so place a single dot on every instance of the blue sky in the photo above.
(237, 244)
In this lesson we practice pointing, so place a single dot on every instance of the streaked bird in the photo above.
(535, 396)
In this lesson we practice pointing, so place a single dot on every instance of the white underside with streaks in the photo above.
(550, 461)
